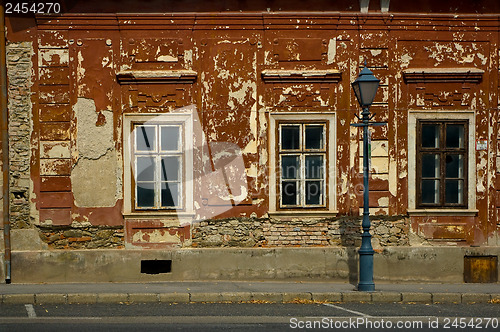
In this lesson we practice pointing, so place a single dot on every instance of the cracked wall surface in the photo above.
(94, 174)
(238, 70)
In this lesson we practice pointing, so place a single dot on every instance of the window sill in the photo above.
(158, 214)
(443, 212)
(297, 214)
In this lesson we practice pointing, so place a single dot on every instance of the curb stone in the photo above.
(357, 297)
(446, 298)
(143, 297)
(112, 297)
(236, 297)
(290, 297)
(327, 297)
(206, 297)
(270, 297)
(19, 299)
(82, 298)
(417, 297)
(287, 297)
(174, 297)
(51, 298)
(475, 298)
(386, 297)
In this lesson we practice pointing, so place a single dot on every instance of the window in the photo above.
(302, 160)
(158, 166)
(442, 164)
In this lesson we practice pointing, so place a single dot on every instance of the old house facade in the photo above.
(179, 130)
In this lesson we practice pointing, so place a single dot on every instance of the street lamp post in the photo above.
(365, 87)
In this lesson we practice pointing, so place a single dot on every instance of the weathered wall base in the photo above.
(394, 264)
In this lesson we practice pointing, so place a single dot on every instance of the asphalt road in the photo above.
(250, 317)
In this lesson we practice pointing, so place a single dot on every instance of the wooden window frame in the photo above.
(442, 150)
(302, 152)
(157, 154)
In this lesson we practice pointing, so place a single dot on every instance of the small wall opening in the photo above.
(156, 266)
(481, 269)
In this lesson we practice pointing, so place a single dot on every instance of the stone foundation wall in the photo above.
(90, 237)
(343, 231)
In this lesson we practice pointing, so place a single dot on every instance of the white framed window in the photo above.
(302, 175)
(441, 163)
(158, 164)
(302, 163)
(158, 158)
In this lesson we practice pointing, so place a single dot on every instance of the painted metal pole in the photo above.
(366, 251)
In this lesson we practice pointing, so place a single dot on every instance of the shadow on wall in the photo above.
(348, 241)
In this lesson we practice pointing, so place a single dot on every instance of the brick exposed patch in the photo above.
(344, 232)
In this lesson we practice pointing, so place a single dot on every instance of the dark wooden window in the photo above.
(158, 166)
(442, 164)
(302, 160)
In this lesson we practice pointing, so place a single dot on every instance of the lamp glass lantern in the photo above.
(365, 87)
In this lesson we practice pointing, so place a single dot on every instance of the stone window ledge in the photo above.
(302, 214)
(275, 76)
(181, 216)
(443, 75)
(156, 76)
(443, 212)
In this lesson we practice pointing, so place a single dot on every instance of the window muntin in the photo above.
(302, 160)
(441, 164)
(158, 166)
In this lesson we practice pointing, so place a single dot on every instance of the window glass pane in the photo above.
(145, 194)
(290, 137)
(145, 169)
(454, 166)
(454, 191)
(170, 167)
(314, 191)
(430, 191)
(170, 138)
(290, 166)
(169, 194)
(430, 165)
(455, 136)
(430, 136)
(145, 138)
(314, 167)
(314, 137)
(289, 193)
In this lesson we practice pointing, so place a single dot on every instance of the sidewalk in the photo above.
(239, 291)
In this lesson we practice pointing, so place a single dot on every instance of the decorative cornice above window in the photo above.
(156, 76)
(442, 75)
(301, 76)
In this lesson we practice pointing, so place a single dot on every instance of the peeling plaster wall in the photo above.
(218, 63)
(94, 175)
